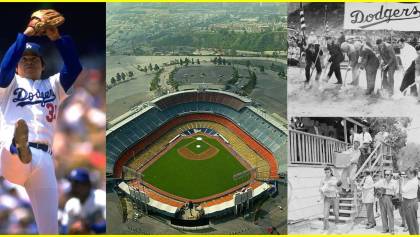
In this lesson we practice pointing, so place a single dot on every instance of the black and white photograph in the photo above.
(353, 175)
(353, 59)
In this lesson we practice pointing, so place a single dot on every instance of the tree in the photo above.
(254, 79)
(192, 61)
(123, 76)
(156, 67)
(130, 74)
(150, 67)
(198, 61)
(396, 127)
(219, 60)
(248, 63)
(408, 156)
(113, 80)
(181, 62)
(224, 61)
(145, 69)
(235, 76)
(118, 76)
(187, 61)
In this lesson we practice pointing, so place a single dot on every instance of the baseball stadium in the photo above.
(193, 157)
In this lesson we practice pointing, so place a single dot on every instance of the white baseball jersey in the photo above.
(35, 101)
(94, 205)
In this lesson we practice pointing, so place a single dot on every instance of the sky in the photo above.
(413, 131)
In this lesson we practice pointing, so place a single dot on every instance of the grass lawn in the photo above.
(195, 179)
(198, 146)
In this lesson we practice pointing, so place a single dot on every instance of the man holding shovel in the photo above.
(370, 63)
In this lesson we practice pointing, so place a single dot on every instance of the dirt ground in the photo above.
(356, 227)
(333, 100)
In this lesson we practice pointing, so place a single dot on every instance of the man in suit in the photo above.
(313, 56)
(353, 53)
(389, 65)
(390, 187)
(370, 63)
(336, 57)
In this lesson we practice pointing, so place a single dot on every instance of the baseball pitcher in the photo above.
(29, 106)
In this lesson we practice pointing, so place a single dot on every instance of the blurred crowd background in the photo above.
(79, 141)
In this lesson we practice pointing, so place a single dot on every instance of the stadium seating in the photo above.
(212, 128)
(156, 122)
(197, 96)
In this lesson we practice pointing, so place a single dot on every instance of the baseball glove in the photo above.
(44, 19)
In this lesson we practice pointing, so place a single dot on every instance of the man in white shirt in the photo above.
(410, 202)
(354, 136)
(385, 201)
(315, 128)
(368, 199)
(381, 136)
(407, 53)
(365, 136)
(365, 140)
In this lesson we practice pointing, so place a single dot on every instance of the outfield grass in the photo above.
(194, 179)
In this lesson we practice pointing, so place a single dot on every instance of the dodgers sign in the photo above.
(382, 16)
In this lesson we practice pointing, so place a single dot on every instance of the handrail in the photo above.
(367, 160)
(307, 148)
(376, 161)
(315, 135)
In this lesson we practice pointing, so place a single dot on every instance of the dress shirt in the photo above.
(409, 188)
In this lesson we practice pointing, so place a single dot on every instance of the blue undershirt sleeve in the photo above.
(11, 60)
(71, 67)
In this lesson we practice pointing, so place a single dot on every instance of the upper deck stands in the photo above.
(131, 129)
(218, 97)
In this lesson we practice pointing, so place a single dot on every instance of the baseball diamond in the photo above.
(184, 175)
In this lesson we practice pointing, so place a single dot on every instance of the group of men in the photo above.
(361, 56)
(393, 191)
